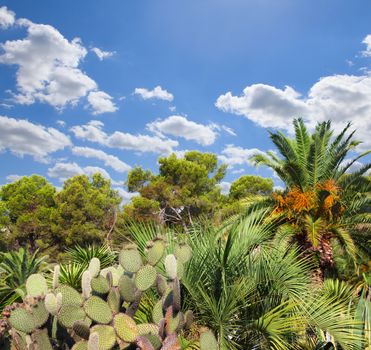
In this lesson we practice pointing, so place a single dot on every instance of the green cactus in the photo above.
(93, 342)
(69, 314)
(56, 274)
(157, 312)
(102, 316)
(155, 251)
(126, 328)
(22, 320)
(208, 341)
(114, 300)
(98, 310)
(106, 336)
(41, 339)
(94, 267)
(145, 278)
(100, 285)
(171, 266)
(52, 303)
(81, 329)
(127, 288)
(80, 345)
(69, 295)
(130, 259)
(183, 252)
(148, 328)
(36, 285)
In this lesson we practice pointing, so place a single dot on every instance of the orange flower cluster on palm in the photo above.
(323, 200)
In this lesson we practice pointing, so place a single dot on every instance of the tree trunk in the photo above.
(326, 255)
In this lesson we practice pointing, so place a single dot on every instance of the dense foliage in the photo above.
(270, 269)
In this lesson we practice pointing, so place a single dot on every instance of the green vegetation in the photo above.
(259, 268)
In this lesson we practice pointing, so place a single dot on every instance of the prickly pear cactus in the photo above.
(102, 316)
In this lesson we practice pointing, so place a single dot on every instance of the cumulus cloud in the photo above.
(101, 102)
(22, 137)
(108, 159)
(92, 131)
(341, 98)
(48, 67)
(63, 171)
(7, 17)
(367, 42)
(157, 93)
(125, 195)
(224, 187)
(179, 126)
(13, 177)
(102, 54)
(140, 143)
(236, 155)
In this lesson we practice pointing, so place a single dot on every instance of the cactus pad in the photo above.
(81, 345)
(171, 266)
(98, 310)
(106, 336)
(130, 260)
(94, 267)
(183, 252)
(100, 285)
(145, 278)
(208, 341)
(156, 252)
(157, 313)
(36, 285)
(69, 295)
(22, 320)
(69, 314)
(52, 304)
(125, 327)
(127, 288)
(114, 300)
(81, 329)
(41, 340)
(147, 328)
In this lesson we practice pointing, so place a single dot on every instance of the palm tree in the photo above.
(253, 289)
(322, 201)
(15, 268)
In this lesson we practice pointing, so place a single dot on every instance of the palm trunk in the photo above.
(326, 255)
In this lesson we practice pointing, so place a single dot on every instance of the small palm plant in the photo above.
(253, 289)
(322, 201)
(15, 268)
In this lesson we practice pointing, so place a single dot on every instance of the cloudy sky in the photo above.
(89, 86)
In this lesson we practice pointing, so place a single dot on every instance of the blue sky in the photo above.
(145, 78)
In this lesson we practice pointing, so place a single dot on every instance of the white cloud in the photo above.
(179, 126)
(22, 137)
(48, 67)
(101, 102)
(125, 195)
(224, 187)
(7, 17)
(341, 98)
(102, 54)
(235, 155)
(63, 171)
(140, 143)
(61, 123)
(367, 42)
(157, 93)
(92, 131)
(108, 159)
(13, 177)
(238, 171)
